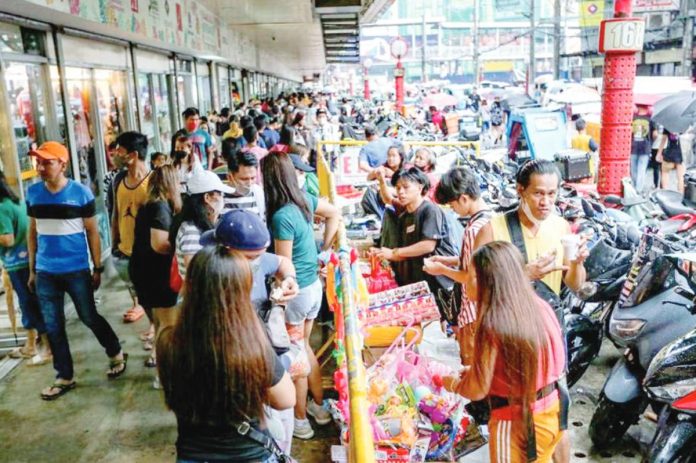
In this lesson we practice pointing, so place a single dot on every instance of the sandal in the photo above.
(148, 345)
(133, 314)
(147, 335)
(62, 390)
(151, 362)
(113, 364)
(21, 353)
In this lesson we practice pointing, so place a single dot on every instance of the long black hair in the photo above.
(6, 191)
(281, 187)
(194, 210)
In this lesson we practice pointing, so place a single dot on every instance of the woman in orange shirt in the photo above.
(519, 357)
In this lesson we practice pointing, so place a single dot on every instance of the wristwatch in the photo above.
(99, 269)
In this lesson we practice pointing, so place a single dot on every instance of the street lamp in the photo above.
(367, 64)
(399, 48)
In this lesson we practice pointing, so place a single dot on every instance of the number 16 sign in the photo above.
(621, 34)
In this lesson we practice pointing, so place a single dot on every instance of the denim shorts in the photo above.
(306, 305)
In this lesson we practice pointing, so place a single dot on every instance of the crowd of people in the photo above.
(216, 243)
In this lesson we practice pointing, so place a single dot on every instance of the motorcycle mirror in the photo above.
(685, 293)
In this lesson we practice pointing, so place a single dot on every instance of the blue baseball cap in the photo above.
(239, 229)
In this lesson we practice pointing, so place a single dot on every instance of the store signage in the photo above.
(621, 34)
(640, 6)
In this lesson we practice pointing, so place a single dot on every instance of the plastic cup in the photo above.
(571, 244)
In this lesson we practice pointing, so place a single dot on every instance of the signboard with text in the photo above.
(621, 34)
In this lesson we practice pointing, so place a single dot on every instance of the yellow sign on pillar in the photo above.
(591, 13)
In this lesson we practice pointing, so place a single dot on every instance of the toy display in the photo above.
(414, 419)
(401, 306)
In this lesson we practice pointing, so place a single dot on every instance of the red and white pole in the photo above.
(366, 83)
(620, 39)
(399, 81)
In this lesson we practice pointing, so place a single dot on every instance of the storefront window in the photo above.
(206, 103)
(187, 92)
(163, 111)
(28, 114)
(11, 38)
(224, 87)
(147, 117)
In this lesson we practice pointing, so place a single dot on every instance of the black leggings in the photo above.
(656, 167)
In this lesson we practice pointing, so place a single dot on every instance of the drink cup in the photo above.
(570, 243)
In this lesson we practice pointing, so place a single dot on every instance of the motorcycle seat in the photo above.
(672, 203)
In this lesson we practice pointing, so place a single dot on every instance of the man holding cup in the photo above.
(552, 253)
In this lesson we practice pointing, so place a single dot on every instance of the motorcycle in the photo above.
(588, 311)
(650, 314)
(671, 381)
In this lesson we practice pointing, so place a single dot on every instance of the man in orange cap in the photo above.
(63, 232)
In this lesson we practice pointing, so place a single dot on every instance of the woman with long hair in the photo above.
(218, 369)
(290, 214)
(14, 224)
(151, 259)
(200, 212)
(518, 358)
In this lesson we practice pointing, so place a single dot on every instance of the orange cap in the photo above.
(51, 150)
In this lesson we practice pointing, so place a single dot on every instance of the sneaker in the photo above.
(303, 430)
(318, 412)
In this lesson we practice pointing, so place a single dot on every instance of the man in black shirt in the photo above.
(423, 232)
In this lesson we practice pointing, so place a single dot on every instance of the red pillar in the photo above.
(366, 89)
(399, 78)
(617, 113)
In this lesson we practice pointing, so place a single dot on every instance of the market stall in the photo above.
(392, 406)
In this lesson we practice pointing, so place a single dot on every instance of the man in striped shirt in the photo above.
(459, 189)
(63, 232)
(242, 171)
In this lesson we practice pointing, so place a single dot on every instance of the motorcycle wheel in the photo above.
(584, 340)
(611, 420)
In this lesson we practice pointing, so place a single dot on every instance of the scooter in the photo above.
(587, 311)
(671, 381)
(650, 314)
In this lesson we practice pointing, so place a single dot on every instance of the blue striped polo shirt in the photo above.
(62, 243)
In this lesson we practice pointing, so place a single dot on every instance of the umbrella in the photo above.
(440, 100)
(676, 112)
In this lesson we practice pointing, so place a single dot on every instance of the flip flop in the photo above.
(150, 362)
(133, 314)
(20, 353)
(62, 390)
(115, 363)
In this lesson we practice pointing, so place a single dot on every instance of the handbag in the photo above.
(175, 281)
(273, 317)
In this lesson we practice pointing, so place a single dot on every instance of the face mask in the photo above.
(217, 205)
(526, 210)
(118, 161)
(242, 189)
(191, 126)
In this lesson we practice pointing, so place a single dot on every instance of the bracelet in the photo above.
(99, 269)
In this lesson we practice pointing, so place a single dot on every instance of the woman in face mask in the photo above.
(202, 208)
(184, 161)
